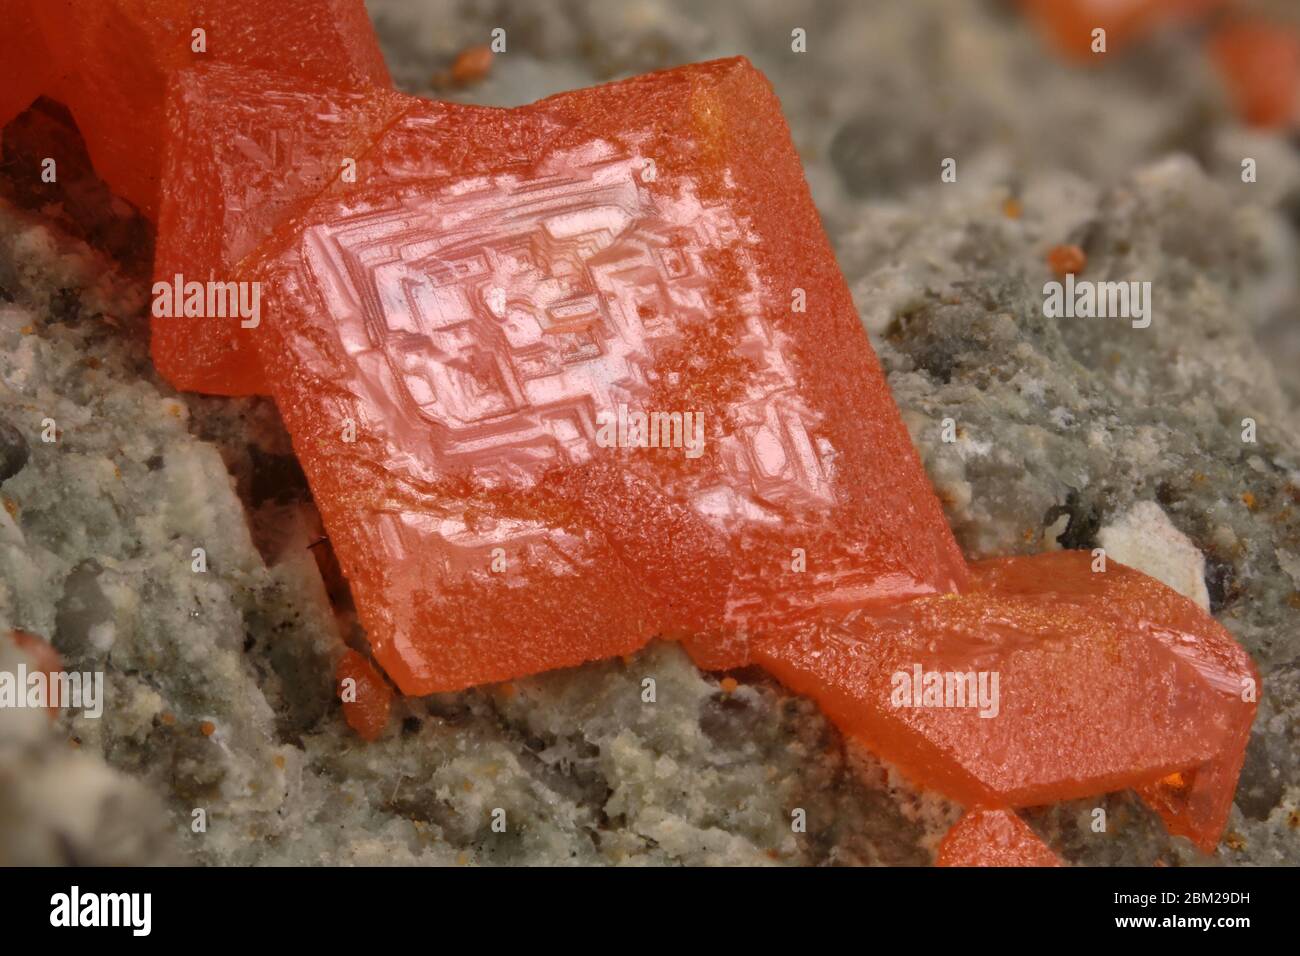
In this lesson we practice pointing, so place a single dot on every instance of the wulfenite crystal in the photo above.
(994, 838)
(571, 376)
(1045, 681)
(246, 150)
(110, 61)
(1070, 25)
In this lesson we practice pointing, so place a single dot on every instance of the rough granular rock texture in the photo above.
(219, 683)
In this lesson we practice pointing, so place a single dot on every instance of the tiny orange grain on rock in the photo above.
(1066, 259)
(471, 65)
(46, 659)
(367, 699)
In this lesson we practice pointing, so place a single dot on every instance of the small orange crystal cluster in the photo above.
(569, 377)
(1071, 25)
(1259, 59)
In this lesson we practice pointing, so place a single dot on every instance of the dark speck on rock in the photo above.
(880, 152)
(938, 336)
(1085, 521)
(1168, 494)
(727, 720)
(1261, 787)
(1220, 581)
(196, 770)
(65, 305)
(13, 451)
(276, 477)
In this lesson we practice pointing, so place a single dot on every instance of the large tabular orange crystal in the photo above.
(1068, 24)
(459, 337)
(994, 838)
(113, 58)
(1104, 681)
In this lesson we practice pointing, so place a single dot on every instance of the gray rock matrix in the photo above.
(221, 740)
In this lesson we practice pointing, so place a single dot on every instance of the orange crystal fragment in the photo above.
(46, 659)
(241, 158)
(367, 699)
(1104, 681)
(1260, 63)
(458, 339)
(24, 62)
(113, 58)
(1068, 24)
(994, 838)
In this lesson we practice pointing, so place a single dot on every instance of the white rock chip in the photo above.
(1145, 539)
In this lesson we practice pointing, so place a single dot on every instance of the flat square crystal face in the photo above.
(508, 325)
(498, 330)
